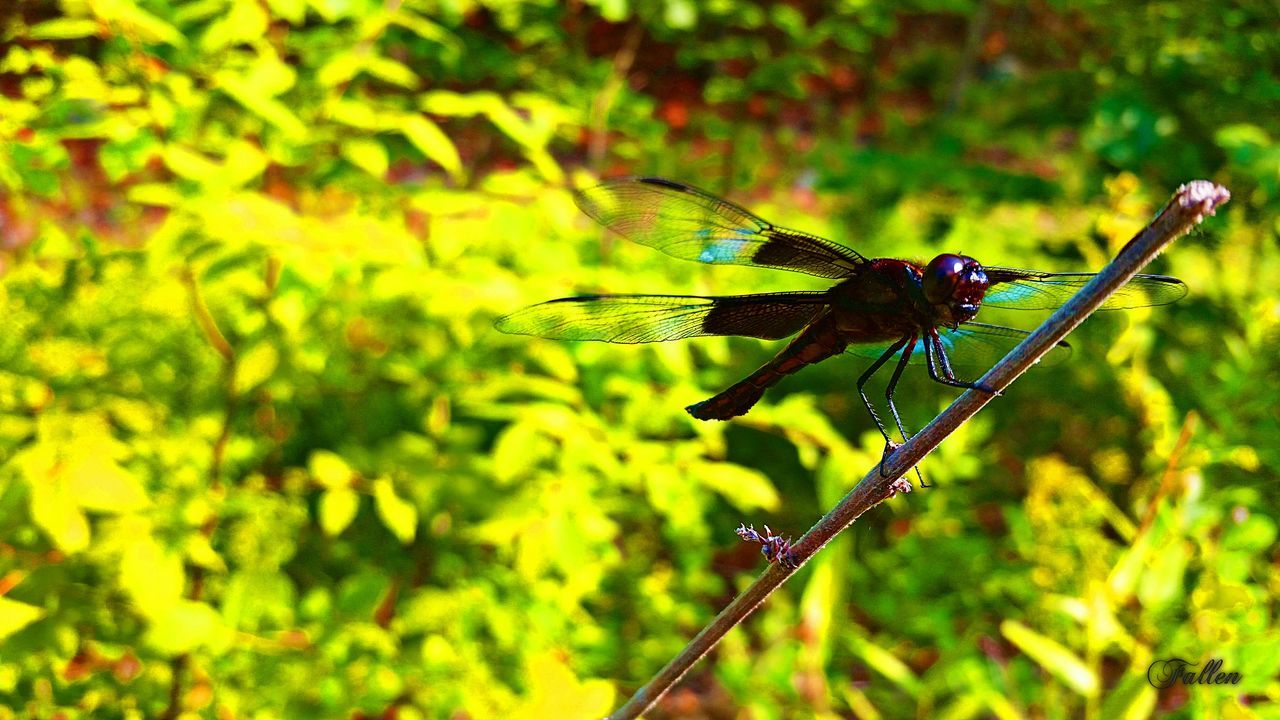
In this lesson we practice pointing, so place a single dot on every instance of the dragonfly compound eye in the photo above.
(942, 276)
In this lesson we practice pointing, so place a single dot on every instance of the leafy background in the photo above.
(263, 455)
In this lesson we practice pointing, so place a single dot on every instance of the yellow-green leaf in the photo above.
(368, 155)
(64, 29)
(556, 692)
(255, 366)
(295, 11)
(398, 516)
(1056, 660)
(16, 615)
(159, 194)
(887, 664)
(329, 469)
(339, 68)
(427, 137)
(745, 488)
(391, 71)
(337, 509)
(152, 575)
(244, 22)
(55, 510)
(189, 164)
(100, 483)
(185, 626)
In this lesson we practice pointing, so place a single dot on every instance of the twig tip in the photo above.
(1202, 196)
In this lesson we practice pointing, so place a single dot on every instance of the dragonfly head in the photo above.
(954, 285)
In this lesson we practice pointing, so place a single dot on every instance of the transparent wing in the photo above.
(1030, 290)
(657, 318)
(972, 345)
(690, 224)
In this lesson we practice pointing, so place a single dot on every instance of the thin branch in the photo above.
(1187, 208)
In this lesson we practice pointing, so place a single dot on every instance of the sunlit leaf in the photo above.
(367, 154)
(16, 615)
(151, 575)
(397, 515)
(555, 692)
(329, 469)
(295, 11)
(258, 100)
(56, 510)
(255, 367)
(1133, 698)
(245, 21)
(157, 194)
(887, 664)
(64, 29)
(391, 71)
(337, 509)
(185, 626)
(340, 68)
(189, 164)
(137, 21)
(99, 483)
(745, 488)
(1052, 657)
(200, 552)
(427, 137)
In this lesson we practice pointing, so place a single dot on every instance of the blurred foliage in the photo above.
(262, 454)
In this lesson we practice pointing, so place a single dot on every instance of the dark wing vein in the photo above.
(657, 318)
(687, 223)
(973, 344)
(1029, 290)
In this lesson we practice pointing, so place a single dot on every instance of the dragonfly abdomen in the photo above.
(818, 342)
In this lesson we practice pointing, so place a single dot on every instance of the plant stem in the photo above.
(1186, 208)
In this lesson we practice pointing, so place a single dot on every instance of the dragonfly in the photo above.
(879, 308)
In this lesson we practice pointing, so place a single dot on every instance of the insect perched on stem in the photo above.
(880, 308)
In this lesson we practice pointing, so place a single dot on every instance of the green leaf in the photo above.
(64, 29)
(246, 21)
(259, 101)
(744, 488)
(398, 516)
(295, 11)
(55, 509)
(391, 71)
(340, 69)
(681, 14)
(158, 194)
(185, 626)
(16, 615)
(138, 22)
(1055, 659)
(427, 137)
(255, 367)
(1133, 698)
(368, 155)
(887, 664)
(100, 483)
(152, 575)
(244, 163)
(338, 508)
(189, 164)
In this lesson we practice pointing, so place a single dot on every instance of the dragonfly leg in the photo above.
(893, 384)
(862, 383)
(940, 366)
(893, 409)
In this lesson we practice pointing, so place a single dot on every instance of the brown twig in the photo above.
(1188, 207)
